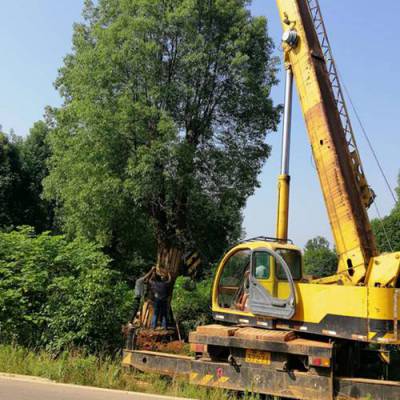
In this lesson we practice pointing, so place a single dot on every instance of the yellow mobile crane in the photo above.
(279, 332)
(361, 300)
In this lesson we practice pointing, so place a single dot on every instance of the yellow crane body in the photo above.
(359, 302)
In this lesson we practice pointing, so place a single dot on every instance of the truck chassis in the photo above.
(264, 362)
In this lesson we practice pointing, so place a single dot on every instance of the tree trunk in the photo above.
(169, 259)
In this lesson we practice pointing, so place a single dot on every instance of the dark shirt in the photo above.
(160, 289)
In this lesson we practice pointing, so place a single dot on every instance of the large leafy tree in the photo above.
(162, 131)
(319, 259)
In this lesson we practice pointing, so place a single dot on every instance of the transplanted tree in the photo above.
(162, 133)
(319, 259)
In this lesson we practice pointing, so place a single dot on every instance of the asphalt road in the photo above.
(31, 388)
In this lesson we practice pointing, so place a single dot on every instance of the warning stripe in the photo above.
(193, 376)
(207, 380)
(192, 260)
(127, 360)
(221, 381)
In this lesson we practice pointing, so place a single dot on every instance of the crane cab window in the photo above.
(262, 265)
(233, 282)
(293, 260)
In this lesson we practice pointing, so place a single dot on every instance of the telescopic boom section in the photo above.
(345, 190)
(284, 177)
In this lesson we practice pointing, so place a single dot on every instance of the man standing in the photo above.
(160, 286)
(140, 291)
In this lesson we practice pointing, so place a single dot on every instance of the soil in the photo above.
(164, 340)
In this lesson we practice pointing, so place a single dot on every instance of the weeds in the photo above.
(78, 368)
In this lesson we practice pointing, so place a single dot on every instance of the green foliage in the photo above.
(35, 152)
(57, 294)
(397, 206)
(387, 229)
(13, 183)
(387, 232)
(191, 303)
(22, 169)
(319, 259)
(162, 133)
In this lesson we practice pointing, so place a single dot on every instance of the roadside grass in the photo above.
(78, 368)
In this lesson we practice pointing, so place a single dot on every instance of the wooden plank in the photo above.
(296, 346)
(216, 330)
(265, 335)
(311, 343)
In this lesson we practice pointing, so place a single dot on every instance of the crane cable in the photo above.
(371, 147)
(377, 162)
(380, 219)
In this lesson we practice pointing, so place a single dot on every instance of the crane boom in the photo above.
(344, 186)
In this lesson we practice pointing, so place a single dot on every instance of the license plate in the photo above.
(258, 357)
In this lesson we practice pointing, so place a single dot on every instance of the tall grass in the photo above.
(105, 372)
(69, 367)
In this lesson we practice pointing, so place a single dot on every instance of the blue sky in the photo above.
(35, 35)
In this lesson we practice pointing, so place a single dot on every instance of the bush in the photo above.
(57, 294)
(191, 303)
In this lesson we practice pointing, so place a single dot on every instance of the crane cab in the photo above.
(256, 279)
(260, 283)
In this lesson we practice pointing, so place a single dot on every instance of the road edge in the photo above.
(41, 380)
